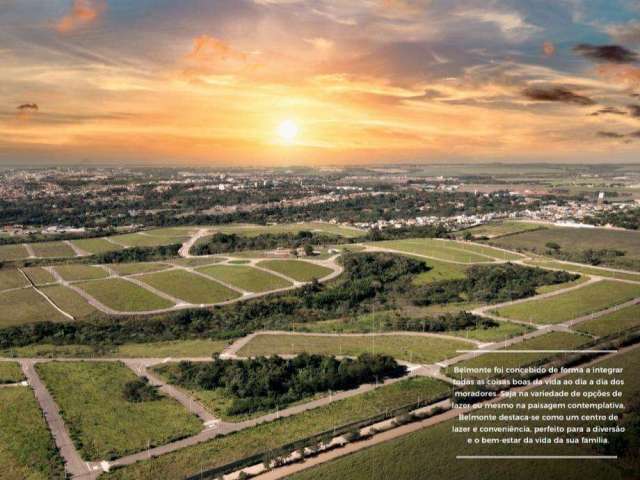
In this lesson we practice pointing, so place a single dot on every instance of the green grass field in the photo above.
(441, 250)
(52, 250)
(72, 273)
(27, 449)
(567, 306)
(246, 278)
(624, 319)
(12, 252)
(124, 296)
(69, 301)
(144, 240)
(579, 239)
(12, 278)
(10, 372)
(418, 349)
(443, 445)
(38, 275)
(560, 286)
(140, 267)
(102, 423)
(583, 269)
(196, 262)
(548, 341)
(255, 230)
(485, 250)
(499, 229)
(439, 271)
(26, 306)
(176, 348)
(172, 231)
(297, 269)
(96, 245)
(189, 287)
(255, 440)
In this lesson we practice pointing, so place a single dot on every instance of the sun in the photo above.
(288, 130)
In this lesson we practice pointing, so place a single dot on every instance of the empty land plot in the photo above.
(548, 341)
(142, 240)
(189, 287)
(445, 445)
(13, 252)
(10, 372)
(72, 273)
(96, 245)
(577, 240)
(567, 306)
(499, 229)
(39, 275)
(52, 250)
(70, 301)
(175, 348)
(418, 349)
(255, 230)
(27, 449)
(124, 296)
(12, 278)
(297, 269)
(570, 267)
(196, 262)
(440, 271)
(102, 422)
(624, 319)
(485, 250)
(172, 231)
(140, 267)
(246, 278)
(560, 286)
(255, 440)
(433, 248)
(26, 306)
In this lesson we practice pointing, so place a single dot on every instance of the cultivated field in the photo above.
(70, 301)
(102, 422)
(124, 296)
(10, 372)
(27, 450)
(220, 451)
(12, 278)
(73, 273)
(548, 341)
(582, 301)
(297, 269)
(439, 249)
(245, 278)
(189, 287)
(26, 306)
(418, 349)
(615, 322)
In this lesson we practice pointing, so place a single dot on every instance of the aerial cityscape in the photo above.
(305, 240)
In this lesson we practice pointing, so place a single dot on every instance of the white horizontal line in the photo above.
(594, 457)
(536, 351)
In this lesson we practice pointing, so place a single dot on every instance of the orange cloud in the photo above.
(549, 49)
(624, 74)
(83, 12)
(207, 49)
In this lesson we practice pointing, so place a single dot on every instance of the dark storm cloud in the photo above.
(606, 53)
(556, 94)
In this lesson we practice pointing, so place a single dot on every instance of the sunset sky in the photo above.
(276, 82)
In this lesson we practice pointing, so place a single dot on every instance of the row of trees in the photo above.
(266, 382)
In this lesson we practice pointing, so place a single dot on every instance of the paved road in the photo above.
(186, 246)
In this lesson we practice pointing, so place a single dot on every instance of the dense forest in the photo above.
(266, 382)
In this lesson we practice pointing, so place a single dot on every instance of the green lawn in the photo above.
(499, 229)
(439, 249)
(10, 372)
(297, 269)
(548, 341)
(246, 278)
(418, 349)
(486, 250)
(440, 271)
(583, 269)
(189, 287)
(567, 306)
(39, 275)
(26, 306)
(619, 321)
(27, 449)
(96, 245)
(73, 273)
(124, 296)
(13, 252)
(140, 267)
(70, 301)
(220, 451)
(443, 445)
(52, 250)
(102, 423)
(11, 278)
